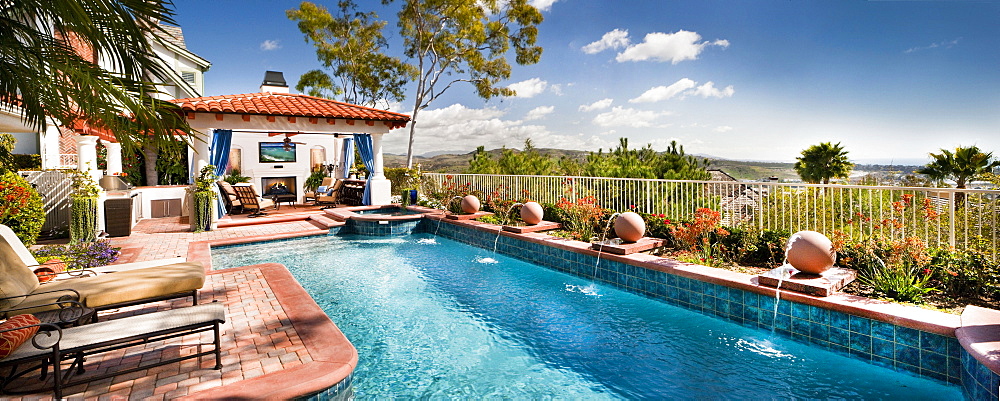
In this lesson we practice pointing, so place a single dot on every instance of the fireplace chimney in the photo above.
(274, 82)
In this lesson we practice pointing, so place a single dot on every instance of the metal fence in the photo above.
(941, 217)
(55, 188)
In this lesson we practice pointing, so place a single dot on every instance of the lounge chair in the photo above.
(332, 194)
(251, 201)
(128, 285)
(50, 346)
(323, 187)
(229, 197)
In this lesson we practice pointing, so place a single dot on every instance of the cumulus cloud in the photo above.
(529, 88)
(946, 45)
(664, 92)
(683, 88)
(542, 5)
(708, 90)
(615, 39)
(269, 45)
(628, 117)
(539, 112)
(673, 47)
(598, 105)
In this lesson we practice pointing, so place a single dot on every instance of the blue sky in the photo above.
(752, 80)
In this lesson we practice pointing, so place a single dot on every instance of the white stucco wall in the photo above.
(300, 169)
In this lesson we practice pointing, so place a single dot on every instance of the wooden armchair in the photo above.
(332, 195)
(250, 201)
(229, 197)
(311, 195)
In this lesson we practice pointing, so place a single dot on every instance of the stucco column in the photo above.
(200, 144)
(49, 147)
(381, 188)
(86, 155)
(114, 157)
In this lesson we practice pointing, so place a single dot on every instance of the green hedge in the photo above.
(27, 162)
(21, 207)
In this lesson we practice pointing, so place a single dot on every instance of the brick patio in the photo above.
(267, 350)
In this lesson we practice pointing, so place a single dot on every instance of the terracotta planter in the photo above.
(470, 204)
(630, 227)
(532, 213)
(810, 252)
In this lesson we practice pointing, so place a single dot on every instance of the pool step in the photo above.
(282, 218)
(324, 221)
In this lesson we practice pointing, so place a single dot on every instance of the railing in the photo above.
(941, 217)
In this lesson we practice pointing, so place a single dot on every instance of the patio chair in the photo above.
(20, 289)
(251, 201)
(50, 345)
(332, 195)
(323, 188)
(229, 197)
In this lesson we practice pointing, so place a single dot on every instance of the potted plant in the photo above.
(83, 210)
(235, 177)
(203, 198)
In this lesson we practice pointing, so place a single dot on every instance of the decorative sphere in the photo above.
(630, 227)
(532, 213)
(810, 252)
(470, 204)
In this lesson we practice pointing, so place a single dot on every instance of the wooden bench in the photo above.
(51, 345)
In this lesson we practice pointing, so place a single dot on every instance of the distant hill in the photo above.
(740, 169)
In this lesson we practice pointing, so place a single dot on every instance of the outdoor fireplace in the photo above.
(278, 186)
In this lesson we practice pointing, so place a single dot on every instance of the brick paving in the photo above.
(258, 337)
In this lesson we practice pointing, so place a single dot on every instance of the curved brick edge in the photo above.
(980, 335)
(333, 356)
(901, 315)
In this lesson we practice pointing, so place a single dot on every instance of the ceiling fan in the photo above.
(287, 142)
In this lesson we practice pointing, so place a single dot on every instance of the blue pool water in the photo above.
(433, 318)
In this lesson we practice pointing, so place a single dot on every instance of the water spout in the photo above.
(604, 237)
(503, 217)
(784, 272)
(444, 208)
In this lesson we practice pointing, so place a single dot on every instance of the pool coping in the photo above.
(901, 315)
(333, 356)
(346, 213)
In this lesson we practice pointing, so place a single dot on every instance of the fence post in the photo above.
(951, 218)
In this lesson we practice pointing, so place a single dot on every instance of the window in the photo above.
(189, 77)
(317, 157)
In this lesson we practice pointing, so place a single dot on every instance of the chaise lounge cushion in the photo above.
(128, 286)
(11, 340)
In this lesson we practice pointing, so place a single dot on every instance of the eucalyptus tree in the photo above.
(820, 163)
(453, 41)
(351, 45)
(48, 69)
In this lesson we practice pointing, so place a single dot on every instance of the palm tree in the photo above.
(820, 163)
(964, 165)
(47, 68)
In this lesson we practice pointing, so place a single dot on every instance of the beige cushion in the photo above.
(16, 277)
(128, 286)
(230, 192)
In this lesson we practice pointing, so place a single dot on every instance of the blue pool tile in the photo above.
(861, 343)
(736, 295)
(907, 355)
(785, 308)
(840, 336)
(800, 311)
(783, 323)
(819, 331)
(839, 320)
(908, 336)
(751, 299)
(885, 331)
(801, 326)
(672, 280)
(861, 325)
(933, 343)
(767, 303)
(883, 348)
(819, 315)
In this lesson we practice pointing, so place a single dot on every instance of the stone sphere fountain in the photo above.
(810, 252)
(470, 204)
(532, 213)
(630, 227)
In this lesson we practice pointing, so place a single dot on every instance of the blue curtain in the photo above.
(348, 156)
(368, 158)
(219, 157)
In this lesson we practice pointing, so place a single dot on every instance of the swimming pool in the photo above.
(434, 318)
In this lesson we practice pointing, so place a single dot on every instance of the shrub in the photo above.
(27, 162)
(21, 207)
(403, 178)
(234, 177)
(965, 273)
(204, 198)
(660, 226)
(582, 218)
(769, 250)
(83, 213)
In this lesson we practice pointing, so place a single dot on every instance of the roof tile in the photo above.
(287, 104)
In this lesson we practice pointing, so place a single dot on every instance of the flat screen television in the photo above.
(277, 152)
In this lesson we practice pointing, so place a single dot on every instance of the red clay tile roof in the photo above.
(286, 104)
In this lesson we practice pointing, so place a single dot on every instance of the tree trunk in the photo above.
(150, 155)
(409, 148)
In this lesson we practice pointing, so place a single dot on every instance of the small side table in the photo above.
(287, 198)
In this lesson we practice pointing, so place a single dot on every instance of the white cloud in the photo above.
(598, 105)
(556, 89)
(628, 117)
(269, 45)
(542, 5)
(529, 88)
(723, 129)
(539, 112)
(946, 44)
(708, 90)
(673, 47)
(664, 92)
(615, 39)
